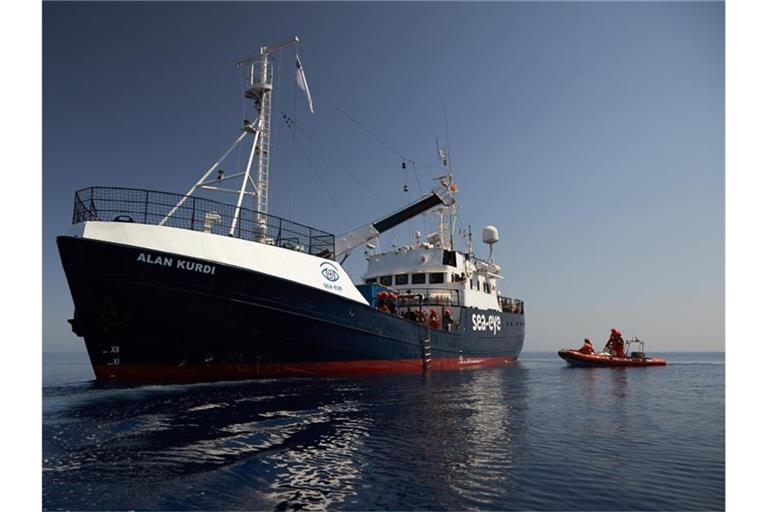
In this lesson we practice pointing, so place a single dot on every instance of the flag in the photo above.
(301, 81)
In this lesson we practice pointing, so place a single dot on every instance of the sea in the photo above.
(535, 435)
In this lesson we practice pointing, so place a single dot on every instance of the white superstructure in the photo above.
(439, 274)
(434, 268)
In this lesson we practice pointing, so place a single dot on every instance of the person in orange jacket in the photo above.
(381, 298)
(615, 345)
(433, 322)
(391, 305)
(619, 345)
(587, 348)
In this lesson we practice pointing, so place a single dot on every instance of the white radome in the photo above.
(490, 235)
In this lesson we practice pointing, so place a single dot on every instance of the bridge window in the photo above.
(370, 281)
(419, 278)
(436, 278)
(449, 258)
(386, 280)
(401, 279)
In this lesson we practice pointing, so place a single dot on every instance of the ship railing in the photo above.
(198, 214)
(418, 304)
(425, 297)
(510, 305)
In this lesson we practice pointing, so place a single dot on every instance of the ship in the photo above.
(181, 287)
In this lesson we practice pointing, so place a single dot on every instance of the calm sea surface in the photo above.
(535, 435)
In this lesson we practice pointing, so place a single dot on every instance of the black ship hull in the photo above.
(198, 321)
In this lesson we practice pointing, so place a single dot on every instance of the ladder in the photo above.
(426, 352)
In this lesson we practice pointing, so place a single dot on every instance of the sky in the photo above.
(590, 134)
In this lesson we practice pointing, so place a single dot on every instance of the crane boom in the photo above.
(355, 238)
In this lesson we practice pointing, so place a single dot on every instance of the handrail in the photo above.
(430, 297)
(198, 214)
(511, 305)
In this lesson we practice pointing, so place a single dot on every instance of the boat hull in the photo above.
(145, 321)
(577, 359)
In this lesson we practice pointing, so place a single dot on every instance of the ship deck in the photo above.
(198, 214)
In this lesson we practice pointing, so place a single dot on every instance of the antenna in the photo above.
(446, 228)
(258, 74)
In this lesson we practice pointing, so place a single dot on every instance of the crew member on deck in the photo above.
(381, 298)
(447, 320)
(615, 345)
(619, 344)
(434, 322)
(587, 347)
(392, 303)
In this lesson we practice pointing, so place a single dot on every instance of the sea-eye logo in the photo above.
(329, 271)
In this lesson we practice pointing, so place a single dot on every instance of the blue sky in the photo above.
(590, 134)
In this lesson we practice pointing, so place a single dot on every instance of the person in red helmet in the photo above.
(587, 348)
(381, 298)
(619, 345)
(391, 306)
(433, 321)
(615, 345)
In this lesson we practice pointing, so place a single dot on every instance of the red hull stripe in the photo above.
(246, 371)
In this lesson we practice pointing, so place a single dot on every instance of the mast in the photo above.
(446, 213)
(258, 74)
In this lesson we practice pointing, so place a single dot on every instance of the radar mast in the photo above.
(258, 75)
(447, 213)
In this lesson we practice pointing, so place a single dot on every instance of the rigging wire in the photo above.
(375, 137)
(421, 193)
(293, 138)
(361, 126)
(242, 116)
(293, 125)
(272, 138)
(290, 120)
(320, 179)
(371, 133)
(414, 163)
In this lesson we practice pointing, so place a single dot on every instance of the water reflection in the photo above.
(296, 435)
(536, 435)
(441, 440)
(447, 440)
(496, 436)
